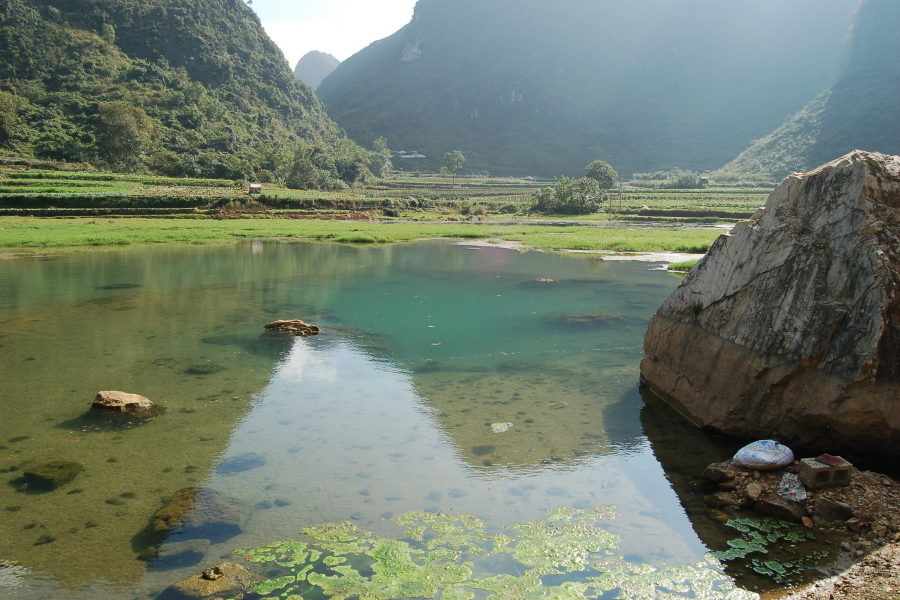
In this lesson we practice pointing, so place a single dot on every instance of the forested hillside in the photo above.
(181, 87)
(537, 87)
(860, 111)
(864, 108)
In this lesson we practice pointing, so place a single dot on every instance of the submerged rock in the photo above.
(185, 553)
(122, 402)
(223, 581)
(586, 319)
(208, 368)
(790, 326)
(241, 463)
(205, 513)
(52, 475)
(720, 472)
(295, 327)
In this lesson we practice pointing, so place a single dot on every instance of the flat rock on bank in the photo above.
(789, 327)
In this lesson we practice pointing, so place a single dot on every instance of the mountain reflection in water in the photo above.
(424, 347)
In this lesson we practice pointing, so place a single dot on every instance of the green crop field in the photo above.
(432, 197)
(108, 209)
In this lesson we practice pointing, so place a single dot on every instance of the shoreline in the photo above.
(875, 576)
(22, 236)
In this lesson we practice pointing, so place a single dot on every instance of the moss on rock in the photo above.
(52, 475)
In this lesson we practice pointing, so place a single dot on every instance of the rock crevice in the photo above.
(790, 325)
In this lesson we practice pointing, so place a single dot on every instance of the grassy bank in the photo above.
(25, 232)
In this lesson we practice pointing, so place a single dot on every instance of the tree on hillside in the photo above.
(605, 176)
(381, 165)
(124, 130)
(453, 162)
(10, 107)
(304, 173)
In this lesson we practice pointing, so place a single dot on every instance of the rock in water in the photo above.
(781, 508)
(295, 327)
(206, 513)
(223, 581)
(52, 475)
(121, 402)
(789, 327)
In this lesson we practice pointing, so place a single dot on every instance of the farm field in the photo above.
(95, 208)
(432, 198)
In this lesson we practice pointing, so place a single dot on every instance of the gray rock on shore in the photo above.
(789, 327)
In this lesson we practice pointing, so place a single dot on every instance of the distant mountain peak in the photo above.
(530, 87)
(314, 67)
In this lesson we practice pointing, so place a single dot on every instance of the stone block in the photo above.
(816, 475)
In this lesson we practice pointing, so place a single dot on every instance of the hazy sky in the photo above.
(338, 27)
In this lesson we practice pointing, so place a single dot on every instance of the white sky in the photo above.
(339, 27)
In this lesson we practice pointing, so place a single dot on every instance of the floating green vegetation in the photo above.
(758, 536)
(455, 555)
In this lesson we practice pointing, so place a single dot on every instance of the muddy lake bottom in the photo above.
(447, 380)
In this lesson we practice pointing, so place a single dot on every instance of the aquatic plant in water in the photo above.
(758, 536)
(454, 555)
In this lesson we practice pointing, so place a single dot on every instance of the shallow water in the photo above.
(447, 379)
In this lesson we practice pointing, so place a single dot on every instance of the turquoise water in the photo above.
(447, 379)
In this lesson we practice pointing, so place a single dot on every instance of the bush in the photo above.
(685, 181)
(605, 176)
(571, 197)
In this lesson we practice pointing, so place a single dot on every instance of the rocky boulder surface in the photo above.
(115, 401)
(226, 581)
(789, 327)
(293, 327)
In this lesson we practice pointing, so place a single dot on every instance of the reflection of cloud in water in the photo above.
(360, 444)
(302, 363)
(487, 262)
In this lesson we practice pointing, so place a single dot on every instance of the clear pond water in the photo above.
(447, 379)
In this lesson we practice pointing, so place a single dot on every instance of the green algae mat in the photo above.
(453, 556)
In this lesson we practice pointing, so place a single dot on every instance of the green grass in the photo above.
(683, 267)
(35, 233)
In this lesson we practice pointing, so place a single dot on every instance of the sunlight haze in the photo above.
(340, 27)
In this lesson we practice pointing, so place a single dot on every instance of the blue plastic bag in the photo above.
(765, 455)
